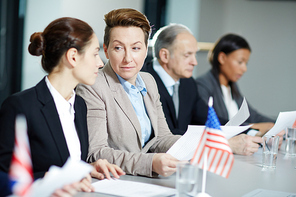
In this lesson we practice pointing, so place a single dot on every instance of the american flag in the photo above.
(214, 146)
(294, 125)
(20, 173)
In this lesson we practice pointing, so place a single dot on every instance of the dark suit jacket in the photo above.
(208, 86)
(46, 137)
(192, 110)
(4, 185)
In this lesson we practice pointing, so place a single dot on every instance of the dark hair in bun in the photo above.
(57, 38)
(36, 46)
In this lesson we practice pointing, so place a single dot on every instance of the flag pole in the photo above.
(205, 168)
(213, 140)
(204, 174)
(204, 179)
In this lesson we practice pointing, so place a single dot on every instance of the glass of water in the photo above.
(290, 142)
(270, 150)
(186, 179)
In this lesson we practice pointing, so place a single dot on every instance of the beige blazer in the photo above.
(114, 129)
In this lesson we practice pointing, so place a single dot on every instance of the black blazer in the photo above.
(46, 137)
(4, 185)
(208, 86)
(192, 110)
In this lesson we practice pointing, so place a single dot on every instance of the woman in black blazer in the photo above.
(56, 116)
(229, 59)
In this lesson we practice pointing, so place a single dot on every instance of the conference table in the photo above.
(246, 175)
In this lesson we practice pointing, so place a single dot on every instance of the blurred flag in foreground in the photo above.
(294, 125)
(214, 146)
(20, 173)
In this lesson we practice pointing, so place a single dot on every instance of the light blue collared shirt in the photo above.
(136, 94)
(167, 80)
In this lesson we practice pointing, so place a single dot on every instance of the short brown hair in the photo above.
(126, 17)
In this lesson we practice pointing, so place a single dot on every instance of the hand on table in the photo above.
(102, 169)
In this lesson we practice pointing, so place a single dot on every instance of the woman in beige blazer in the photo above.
(135, 137)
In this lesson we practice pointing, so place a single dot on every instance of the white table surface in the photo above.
(246, 176)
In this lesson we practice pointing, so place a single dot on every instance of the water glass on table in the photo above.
(186, 179)
(290, 142)
(270, 150)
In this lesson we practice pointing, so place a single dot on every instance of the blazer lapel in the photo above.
(153, 119)
(219, 99)
(168, 101)
(52, 118)
(81, 131)
(165, 98)
(183, 101)
(121, 98)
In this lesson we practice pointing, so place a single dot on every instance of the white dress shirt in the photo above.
(167, 80)
(67, 114)
(232, 107)
(135, 95)
(230, 103)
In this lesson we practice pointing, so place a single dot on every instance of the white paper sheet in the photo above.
(230, 131)
(241, 116)
(131, 189)
(284, 119)
(184, 148)
(268, 193)
(57, 177)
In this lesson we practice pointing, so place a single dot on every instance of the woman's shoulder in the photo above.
(148, 79)
(150, 83)
(22, 95)
(205, 77)
(20, 102)
(206, 80)
(146, 75)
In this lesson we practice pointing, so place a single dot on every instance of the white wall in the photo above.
(184, 12)
(270, 28)
(41, 12)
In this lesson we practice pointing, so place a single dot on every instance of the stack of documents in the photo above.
(131, 189)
